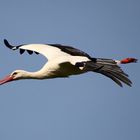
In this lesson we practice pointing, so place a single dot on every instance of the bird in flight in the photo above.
(64, 61)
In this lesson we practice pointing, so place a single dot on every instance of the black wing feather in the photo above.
(68, 49)
(30, 52)
(107, 68)
(10, 46)
(21, 51)
(71, 50)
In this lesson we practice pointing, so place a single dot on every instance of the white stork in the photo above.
(64, 61)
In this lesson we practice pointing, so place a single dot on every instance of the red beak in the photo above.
(6, 79)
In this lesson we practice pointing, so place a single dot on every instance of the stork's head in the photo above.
(15, 75)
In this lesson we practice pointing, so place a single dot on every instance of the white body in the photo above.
(64, 61)
(60, 64)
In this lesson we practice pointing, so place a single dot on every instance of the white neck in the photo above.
(34, 75)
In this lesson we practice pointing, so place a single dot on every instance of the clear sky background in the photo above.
(83, 107)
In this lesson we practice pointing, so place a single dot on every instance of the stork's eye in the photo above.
(15, 73)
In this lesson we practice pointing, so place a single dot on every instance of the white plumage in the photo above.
(64, 61)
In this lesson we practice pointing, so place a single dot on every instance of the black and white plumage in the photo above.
(64, 61)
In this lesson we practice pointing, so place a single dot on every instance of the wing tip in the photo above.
(7, 44)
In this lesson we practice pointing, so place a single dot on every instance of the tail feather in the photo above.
(109, 68)
(121, 77)
(113, 78)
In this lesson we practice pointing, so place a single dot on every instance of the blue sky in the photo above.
(84, 107)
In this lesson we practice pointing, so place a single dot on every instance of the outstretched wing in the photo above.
(107, 67)
(70, 50)
(48, 50)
